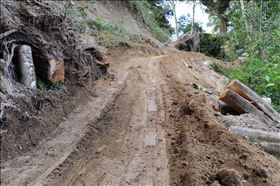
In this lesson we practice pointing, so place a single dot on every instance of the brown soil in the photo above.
(149, 125)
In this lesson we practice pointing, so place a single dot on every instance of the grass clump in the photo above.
(109, 35)
(146, 15)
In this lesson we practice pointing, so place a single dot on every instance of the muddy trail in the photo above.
(149, 126)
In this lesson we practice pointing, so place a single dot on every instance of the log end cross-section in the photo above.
(56, 70)
(230, 98)
(254, 99)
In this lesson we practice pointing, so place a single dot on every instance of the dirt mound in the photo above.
(200, 147)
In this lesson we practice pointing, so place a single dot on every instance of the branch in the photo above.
(43, 5)
(7, 33)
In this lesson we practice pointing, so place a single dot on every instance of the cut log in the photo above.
(51, 69)
(226, 109)
(269, 141)
(228, 97)
(27, 70)
(242, 105)
(255, 99)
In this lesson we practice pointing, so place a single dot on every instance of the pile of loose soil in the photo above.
(203, 151)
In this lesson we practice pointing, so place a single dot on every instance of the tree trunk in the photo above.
(193, 16)
(27, 70)
(176, 24)
(260, 35)
(223, 25)
(173, 4)
(255, 99)
(242, 105)
(243, 13)
(51, 69)
(269, 141)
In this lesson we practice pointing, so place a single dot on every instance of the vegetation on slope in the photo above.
(151, 16)
(251, 28)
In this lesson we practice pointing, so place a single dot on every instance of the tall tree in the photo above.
(219, 7)
(194, 4)
(164, 13)
(173, 5)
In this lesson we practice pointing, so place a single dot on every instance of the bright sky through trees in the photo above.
(184, 8)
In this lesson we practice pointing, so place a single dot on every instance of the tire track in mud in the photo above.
(116, 138)
(57, 150)
(131, 149)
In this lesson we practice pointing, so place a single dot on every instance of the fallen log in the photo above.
(269, 141)
(242, 105)
(27, 71)
(51, 69)
(226, 109)
(255, 99)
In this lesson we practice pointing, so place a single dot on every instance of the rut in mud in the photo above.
(149, 126)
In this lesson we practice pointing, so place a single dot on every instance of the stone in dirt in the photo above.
(229, 177)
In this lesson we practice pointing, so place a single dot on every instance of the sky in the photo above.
(183, 8)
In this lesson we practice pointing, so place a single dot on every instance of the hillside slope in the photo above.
(146, 123)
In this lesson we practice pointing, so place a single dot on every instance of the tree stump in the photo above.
(27, 70)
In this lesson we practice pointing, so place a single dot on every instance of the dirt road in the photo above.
(149, 126)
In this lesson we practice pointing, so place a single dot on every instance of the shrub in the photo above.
(261, 76)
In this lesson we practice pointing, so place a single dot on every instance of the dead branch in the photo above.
(42, 5)
(7, 33)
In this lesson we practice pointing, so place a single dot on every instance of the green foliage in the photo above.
(82, 10)
(252, 29)
(185, 24)
(109, 35)
(91, 1)
(261, 76)
(256, 31)
(219, 69)
(71, 13)
(216, 67)
(82, 26)
(147, 15)
(211, 45)
(40, 84)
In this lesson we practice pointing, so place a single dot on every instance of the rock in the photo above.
(175, 102)
(196, 86)
(229, 177)
(208, 91)
(244, 156)
(263, 173)
(217, 114)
